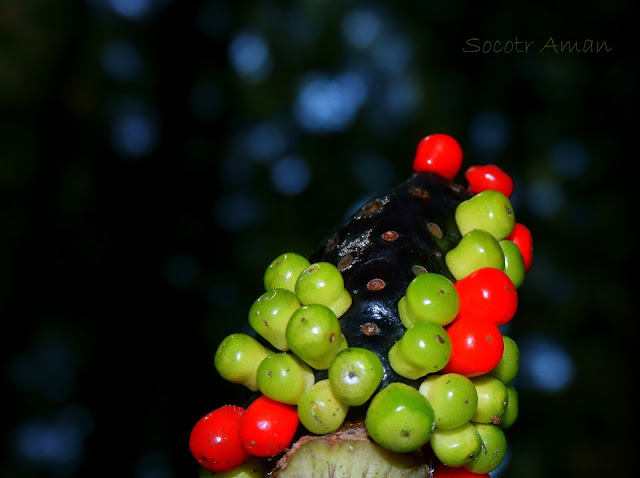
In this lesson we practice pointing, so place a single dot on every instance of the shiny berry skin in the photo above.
(494, 449)
(254, 467)
(214, 440)
(513, 263)
(320, 410)
(488, 210)
(509, 365)
(443, 471)
(477, 249)
(456, 446)
(270, 314)
(400, 418)
(430, 297)
(314, 335)
(453, 397)
(488, 176)
(284, 377)
(424, 348)
(487, 294)
(322, 283)
(238, 357)
(267, 428)
(492, 399)
(438, 153)
(521, 236)
(510, 415)
(476, 347)
(284, 270)
(355, 374)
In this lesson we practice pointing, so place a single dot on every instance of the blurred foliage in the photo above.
(120, 255)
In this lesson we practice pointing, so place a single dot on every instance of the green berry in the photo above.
(400, 418)
(320, 410)
(270, 314)
(494, 449)
(513, 262)
(456, 446)
(322, 283)
(430, 297)
(453, 397)
(489, 210)
(355, 374)
(492, 399)
(284, 377)
(238, 357)
(509, 365)
(424, 348)
(510, 415)
(314, 335)
(284, 270)
(477, 249)
(254, 467)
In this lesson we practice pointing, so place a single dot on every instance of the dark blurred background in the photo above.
(156, 155)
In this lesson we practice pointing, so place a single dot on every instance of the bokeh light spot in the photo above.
(489, 132)
(237, 211)
(570, 158)
(265, 142)
(121, 60)
(290, 175)
(132, 9)
(48, 368)
(326, 104)
(135, 129)
(545, 364)
(545, 197)
(361, 27)
(250, 56)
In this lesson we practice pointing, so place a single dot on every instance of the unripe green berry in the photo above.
(453, 397)
(424, 348)
(320, 410)
(509, 365)
(284, 270)
(430, 297)
(254, 467)
(492, 399)
(400, 418)
(270, 314)
(494, 449)
(513, 262)
(284, 377)
(322, 283)
(355, 373)
(476, 249)
(456, 446)
(238, 357)
(489, 210)
(510, 415)
(314, 335)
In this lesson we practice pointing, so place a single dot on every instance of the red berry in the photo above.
(438, 153)
(476, 347)
(214, 441)
(521, 235)
(487, 294)
(268, 426)
(443, 471)
(490, 176)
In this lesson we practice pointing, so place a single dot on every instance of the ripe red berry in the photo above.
(489, 176)
(268, 426)
(487, 294)
(214, 441)
(443, 471)
(476, 347)
(521, 235)
(438, 153)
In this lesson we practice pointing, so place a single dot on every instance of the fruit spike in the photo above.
(391, 384)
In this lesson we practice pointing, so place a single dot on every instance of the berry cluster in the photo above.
(430, 374)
